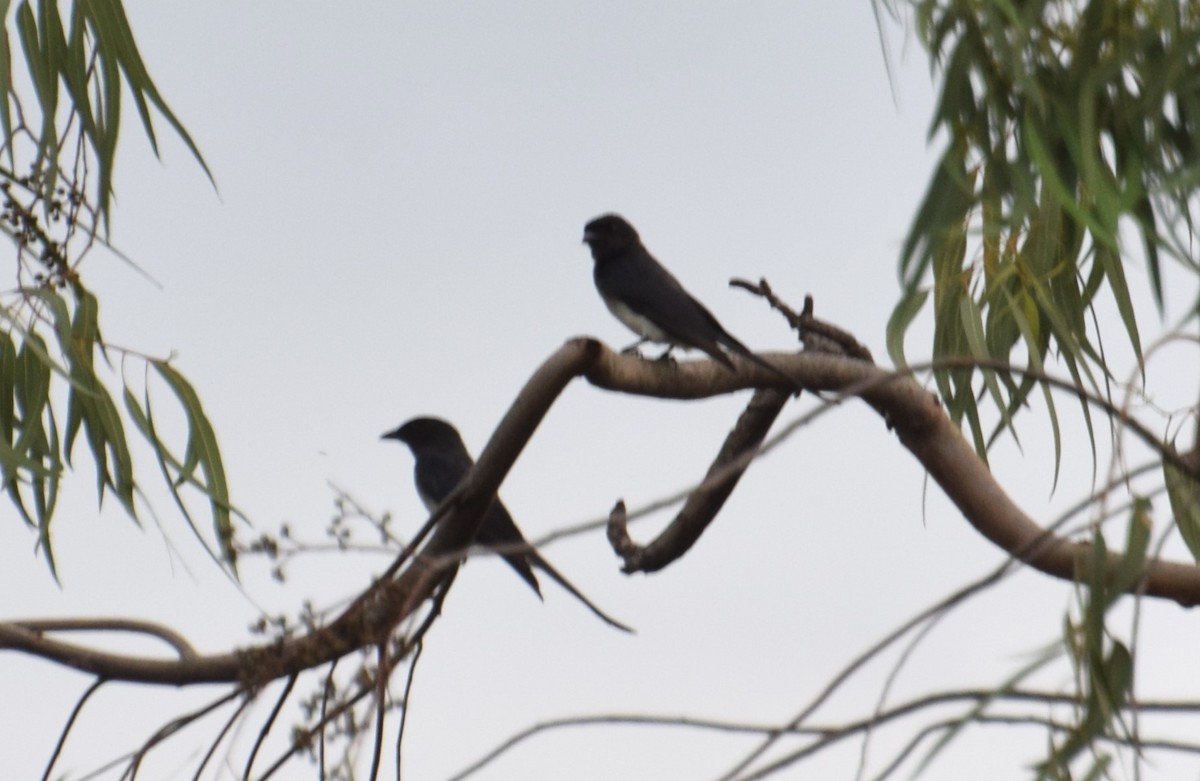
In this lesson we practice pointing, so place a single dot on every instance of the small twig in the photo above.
(266, 727)
(175, 725)
(62, 738)
(826, 734)
(618, 532)
(325, 692)
(166, 634)
(816, 335)
(932, 613)
(212, 749)
(382, 671)
(328, 716)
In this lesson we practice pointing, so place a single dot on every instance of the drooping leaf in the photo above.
(202, 445)
(32, 391)
(6, 123)
(905, 311)
(1132, 565)
(143, 419)
(1183, 492)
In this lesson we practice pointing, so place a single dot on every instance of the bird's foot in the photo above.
(633, 349)
(666, 358)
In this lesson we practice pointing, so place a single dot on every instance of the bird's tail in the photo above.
(558, 578)
(737, 347)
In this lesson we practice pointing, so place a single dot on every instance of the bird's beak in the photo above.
(395, 434)
(588, 237)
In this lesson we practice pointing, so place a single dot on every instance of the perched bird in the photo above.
(650, 301)
(441, 461)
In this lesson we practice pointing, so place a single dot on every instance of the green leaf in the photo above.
(120, 53)
(25, 382)
(971, 320)
(85, 328)
(109, 420)
(1042, 659)
(909, 306)
(1114, 271)
(1137, 542)
(202, 444)
(1183, 491)
(45, 495)
(6, 93)
(29, 454)
(14, 495)
(1094, 576)
(8, 385)
(1117, 677)
(88, 403)
(45, 82)
(94, 405)
(1057, 185)
(945, 207)
(143, 418)
(1147, 227)
(95, 60)
(32, 392)
(54, 46)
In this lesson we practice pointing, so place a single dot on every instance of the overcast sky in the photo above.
(402, 190)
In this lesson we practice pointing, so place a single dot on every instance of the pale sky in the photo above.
(402, 194)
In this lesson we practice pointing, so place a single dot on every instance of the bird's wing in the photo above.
(498, 530)
(437, 474)
(650, 291)
(643, 285)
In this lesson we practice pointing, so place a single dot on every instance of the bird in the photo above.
(440, 462)
(651, 302)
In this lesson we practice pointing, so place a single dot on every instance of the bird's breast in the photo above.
(430, 503)
(639, 324)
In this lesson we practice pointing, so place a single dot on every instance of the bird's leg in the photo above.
(666, 357)
(633, 348)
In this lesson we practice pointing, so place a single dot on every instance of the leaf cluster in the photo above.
(1067, 125)
(79, 66)
(35, 450)
(90, 58)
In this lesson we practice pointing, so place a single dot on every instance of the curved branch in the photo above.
(702, 504)
(914, 414)
(923, 427)
(951, 461)
(120, 667)
(164, 633)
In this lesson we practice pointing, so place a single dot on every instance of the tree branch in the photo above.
(708, 498)
(915, 415)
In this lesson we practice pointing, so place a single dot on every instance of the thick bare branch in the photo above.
(924, 428)
(706, 501)
(916, 417)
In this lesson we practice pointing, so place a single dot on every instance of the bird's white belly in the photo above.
(638, 324)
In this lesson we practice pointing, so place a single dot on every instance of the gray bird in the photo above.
(650, 301)
(441, 461)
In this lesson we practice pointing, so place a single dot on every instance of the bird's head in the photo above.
(420, 432)
(609, 235)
